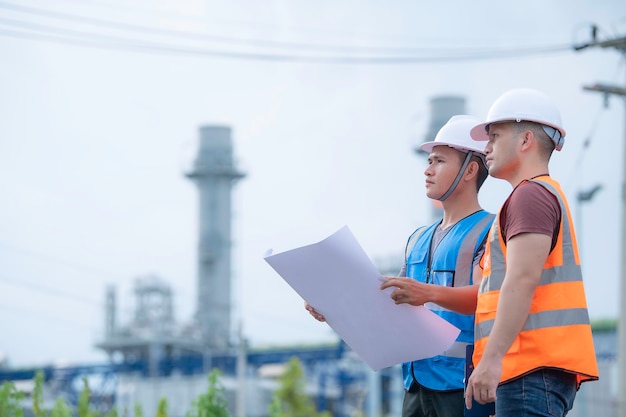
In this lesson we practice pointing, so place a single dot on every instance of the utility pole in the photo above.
(607, 90)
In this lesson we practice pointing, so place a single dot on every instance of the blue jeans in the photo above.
(545, 392)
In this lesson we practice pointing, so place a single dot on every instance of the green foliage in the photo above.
(84, 408)
(213, 402)
(291, 393)
(112, 412)
(290, 400)
(162, 408)
(138, 410)
(10, 401)
(276, 408)
(38, 410)
(61, 409)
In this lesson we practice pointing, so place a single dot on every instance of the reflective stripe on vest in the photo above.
(542, 320)
(557, 332)
(457, 350)
(465, 260)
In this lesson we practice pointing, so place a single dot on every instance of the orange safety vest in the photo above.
(557, 333)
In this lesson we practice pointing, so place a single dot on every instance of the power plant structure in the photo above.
(153, 336)
(152, 356)
(172, 360)
(214, 173)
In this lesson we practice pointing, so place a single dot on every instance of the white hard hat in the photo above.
(524, 104)
(456, 134)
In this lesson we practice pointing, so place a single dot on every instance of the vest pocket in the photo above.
(443, 278)
(416, 267)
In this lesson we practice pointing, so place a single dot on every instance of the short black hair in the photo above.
(546, 145)
(483, 171)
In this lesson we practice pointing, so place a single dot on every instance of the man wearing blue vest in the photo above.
(440, 266)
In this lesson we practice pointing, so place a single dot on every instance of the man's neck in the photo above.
(454, 211)
(530, 171)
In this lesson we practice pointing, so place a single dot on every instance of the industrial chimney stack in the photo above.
(214, 173)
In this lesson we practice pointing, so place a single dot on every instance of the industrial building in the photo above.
(153, 356)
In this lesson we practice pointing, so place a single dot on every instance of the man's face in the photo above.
(444, 163)
(502, 157)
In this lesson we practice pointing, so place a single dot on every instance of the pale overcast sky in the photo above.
(98, 121)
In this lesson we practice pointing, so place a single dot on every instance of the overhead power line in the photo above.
(336, 54)
(67, 36)
(216, 38)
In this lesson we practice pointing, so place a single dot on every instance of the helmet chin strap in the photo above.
(456, 181)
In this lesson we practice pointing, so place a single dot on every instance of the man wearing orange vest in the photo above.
(533, 342)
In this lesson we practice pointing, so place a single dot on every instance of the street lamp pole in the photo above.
(621, 323)
(607, 90)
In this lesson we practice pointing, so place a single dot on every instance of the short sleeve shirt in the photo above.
(530, 208)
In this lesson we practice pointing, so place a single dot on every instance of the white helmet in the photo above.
(524, 104)
(456, 134)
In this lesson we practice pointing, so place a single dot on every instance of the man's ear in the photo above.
(528, 138)
(472, 169)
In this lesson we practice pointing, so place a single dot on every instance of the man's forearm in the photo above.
(459, 299)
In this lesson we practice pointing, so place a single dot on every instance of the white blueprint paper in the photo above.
(338, 279)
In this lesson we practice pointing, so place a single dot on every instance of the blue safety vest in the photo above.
(451, 264)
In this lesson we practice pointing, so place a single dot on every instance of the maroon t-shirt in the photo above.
(530, 208)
